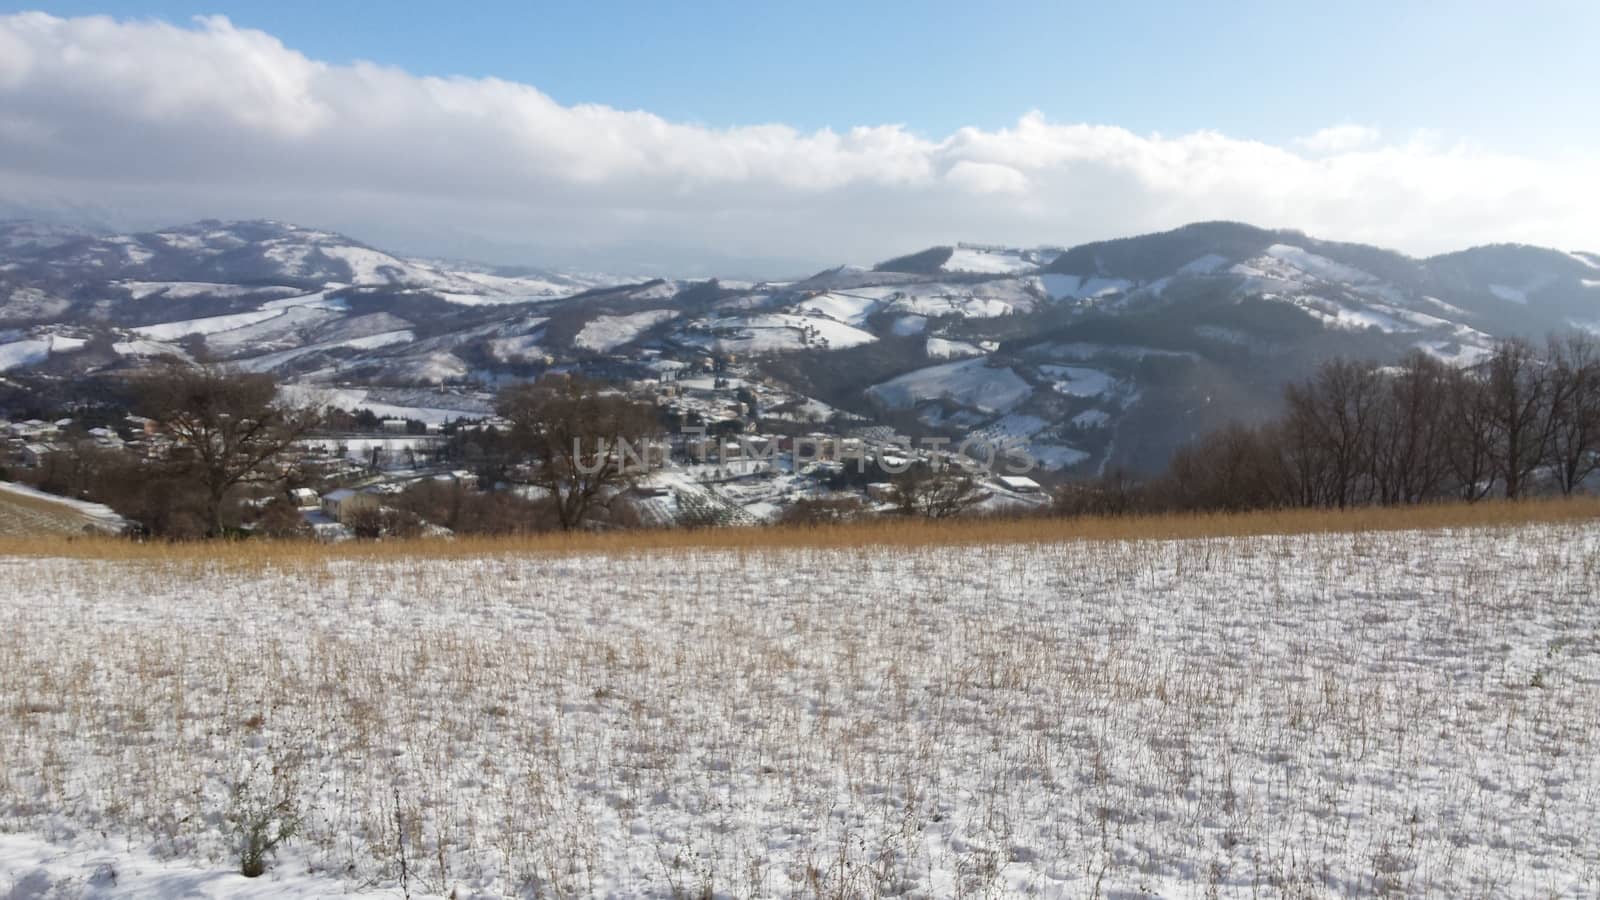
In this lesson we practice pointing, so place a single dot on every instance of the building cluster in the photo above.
(735, 451)
(29, 443)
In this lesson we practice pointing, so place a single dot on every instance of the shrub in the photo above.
(263, 811)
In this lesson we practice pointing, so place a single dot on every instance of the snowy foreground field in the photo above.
(1403, 713)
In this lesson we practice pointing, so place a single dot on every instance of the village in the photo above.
(732, 450)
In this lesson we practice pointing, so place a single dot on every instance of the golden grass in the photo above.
(883, 532)
(22, 515)
(39, 504)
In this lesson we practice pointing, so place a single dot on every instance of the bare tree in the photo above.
(1235, 468)
(1518, 387)
(1115, 492)
(823, 511)
(227, 428)
(583, 442)
(281, 519)
(944, 493)
(1407, 450)
(1330, 422)
(1574, 445)
(1469, 441)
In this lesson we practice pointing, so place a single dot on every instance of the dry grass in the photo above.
(31, 518)
(885, 532)
(1309, 716)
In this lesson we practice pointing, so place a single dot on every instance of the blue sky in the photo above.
(1510, 76)
(762, 138)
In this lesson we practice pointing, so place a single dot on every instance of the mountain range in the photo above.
(1107, 353)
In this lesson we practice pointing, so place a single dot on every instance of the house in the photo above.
(1020, 484)
(342, 504)
(324, 529)
(34, 428)
(33, 454)
(304, 498)
(105, 437)
(894, 462)
(882, 491)
(142, 424)
(394, 426)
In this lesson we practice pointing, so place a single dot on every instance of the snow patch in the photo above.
(186, 290)
(779, 332)
(366, 266)
(167, 331)
(968, 383)
(1078, 381)
(1056, 456)
(905, 326)
(1205, 265)
(939, 348)
(1317, 266)
(605, 333)
(97, 868)
(851, 309)
(353, 399)
(144, 348)
(1455, 353)
(1509, 294)
(987, 261)
(1075, 287)
(1091, 418)
(984, 300)
(24, 353)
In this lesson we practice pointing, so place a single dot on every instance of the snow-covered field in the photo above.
(777, 332)
(971, 382)
(1414, 714)
(609, 332)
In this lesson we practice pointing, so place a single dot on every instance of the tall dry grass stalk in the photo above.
(883, 532)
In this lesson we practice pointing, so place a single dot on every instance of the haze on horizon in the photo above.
(716, 142)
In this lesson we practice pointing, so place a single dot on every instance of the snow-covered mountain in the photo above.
(190, 258)
(1104, 353)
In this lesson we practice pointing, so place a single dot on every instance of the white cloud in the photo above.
(987, 177)
(161, 122)
(1340, 139)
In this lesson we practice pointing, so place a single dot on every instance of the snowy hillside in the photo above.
(1188, 328)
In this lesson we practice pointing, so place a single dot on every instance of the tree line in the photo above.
(1523, 421)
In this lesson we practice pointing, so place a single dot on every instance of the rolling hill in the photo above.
(1104, 353)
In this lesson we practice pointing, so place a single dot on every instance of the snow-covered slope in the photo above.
(973, 383)
(216, 259)
(1186, 328)
(993, 260)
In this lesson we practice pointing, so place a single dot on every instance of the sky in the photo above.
(765, 137)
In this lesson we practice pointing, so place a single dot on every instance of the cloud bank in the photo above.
(150, 122)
